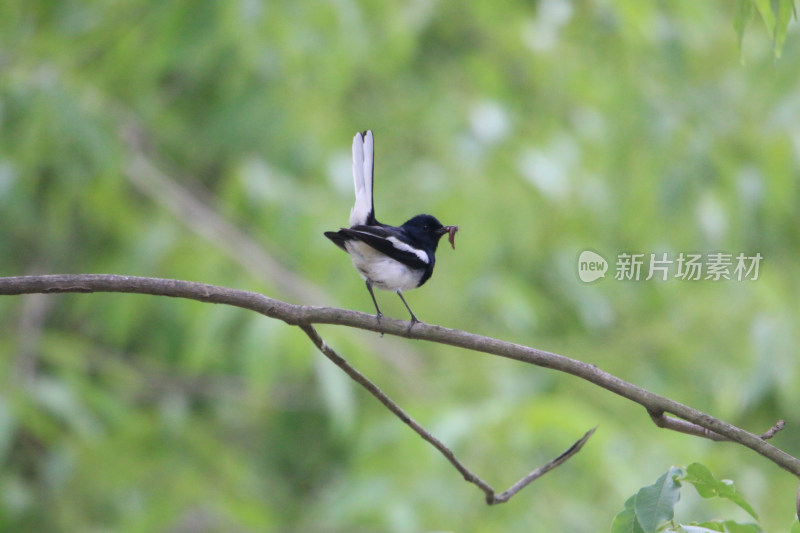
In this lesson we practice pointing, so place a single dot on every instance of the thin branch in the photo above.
(373, 389)
(682, 426)
(768, 434)
(203, 219)
(542, 470)
(491, 497)
(305, 315)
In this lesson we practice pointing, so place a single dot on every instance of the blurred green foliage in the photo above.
(542, 128)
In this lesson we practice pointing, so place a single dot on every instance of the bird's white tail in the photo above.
(363, 153)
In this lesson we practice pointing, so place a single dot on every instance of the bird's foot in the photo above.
(378, 318)
(411, 323)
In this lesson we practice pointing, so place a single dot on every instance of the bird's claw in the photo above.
(378, 318)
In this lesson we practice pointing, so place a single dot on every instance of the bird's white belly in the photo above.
(380, 270)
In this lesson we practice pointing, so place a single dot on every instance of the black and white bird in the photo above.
(392, 258)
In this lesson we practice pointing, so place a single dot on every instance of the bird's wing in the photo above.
(337, 238)
(363, 211)
(389, 241)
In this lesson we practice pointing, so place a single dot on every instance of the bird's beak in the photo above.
(451, 230)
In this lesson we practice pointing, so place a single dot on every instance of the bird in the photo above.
(391, 258)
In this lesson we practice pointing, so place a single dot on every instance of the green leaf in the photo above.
(785, 11)
(736, 527)
(795, 526)
(710, 487)
(707, 527)
(710, 526)
(625, 521)
(654, 504)
(764, 8)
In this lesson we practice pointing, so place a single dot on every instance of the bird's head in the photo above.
(429, 228)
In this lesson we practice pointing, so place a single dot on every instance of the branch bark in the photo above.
(689, 420)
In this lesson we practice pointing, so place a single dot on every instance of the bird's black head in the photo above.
(427, 229)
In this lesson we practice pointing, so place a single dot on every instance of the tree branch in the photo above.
(693, 422)
(491, 497)
(373, 389)
(542, 470)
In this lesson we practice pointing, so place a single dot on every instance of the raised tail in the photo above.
(363, 211)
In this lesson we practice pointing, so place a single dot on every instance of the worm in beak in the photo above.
(451, 231)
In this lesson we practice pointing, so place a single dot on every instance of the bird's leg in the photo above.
(378, 309)
(414, 319)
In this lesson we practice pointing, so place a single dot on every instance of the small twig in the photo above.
(491, 497)
(682, 426)
(768, 434)
(542, 470)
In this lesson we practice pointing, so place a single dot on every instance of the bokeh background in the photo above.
(210, 141)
